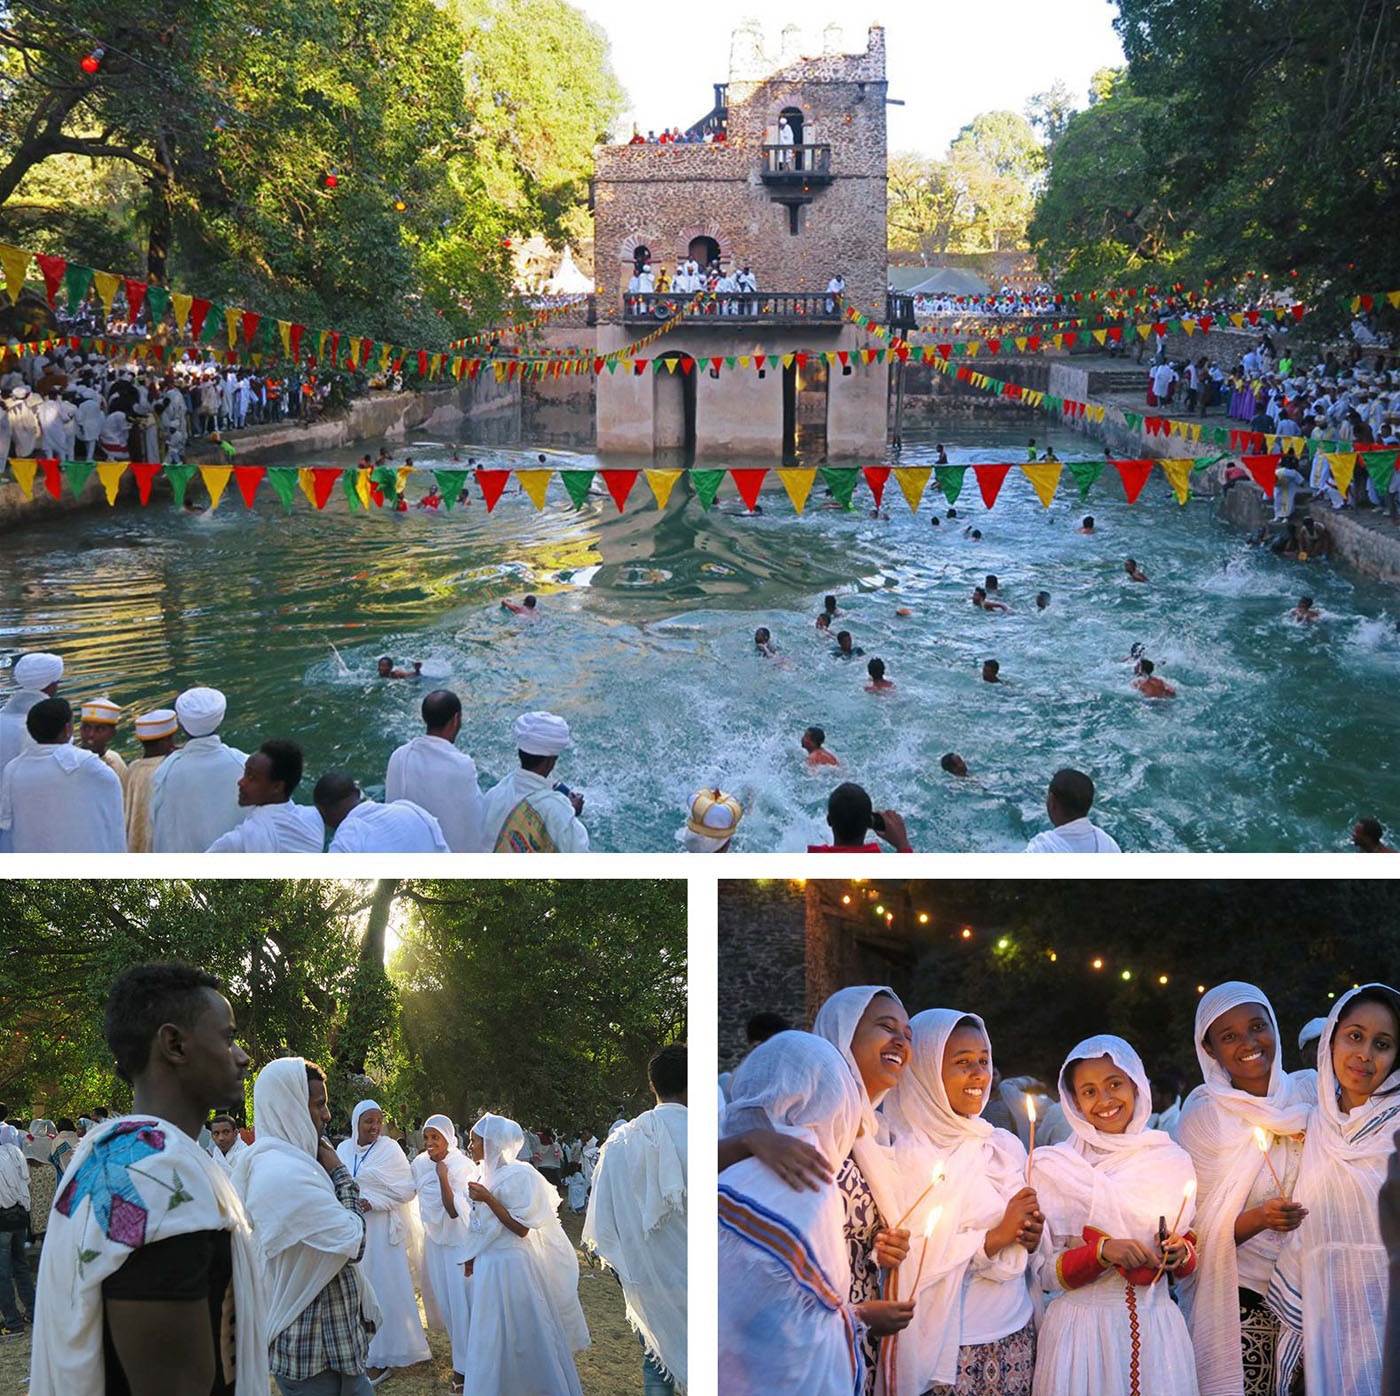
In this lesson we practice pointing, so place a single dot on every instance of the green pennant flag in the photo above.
(950, 480)
(1380, 466)
(450, 482)
(77, 472)
(179, 477)
(577, 483)
(1054, 404)
(1220, 436)
(387, 478)
(1086, 474)
(157, 303)
(707, 483)
(612, 365)
(215, 324)
(348, 482)
(77, 281)
(1133, 420)
(841, 482)
(283, 479)
(959, 350)
(730, 360)
(1206, 464)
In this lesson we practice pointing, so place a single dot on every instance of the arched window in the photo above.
(703, 251)
(641, 255)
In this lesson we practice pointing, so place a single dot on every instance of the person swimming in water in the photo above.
(763, 642)
(1135, 573)
(991, 672)
(979, 599)
(528, 609)
(878, 682)
(1042, 601)
(1147, 682)
(846, 647)
(814, 744)
(823, 624)
(953, 764)
(1305, 613)
(387, 670)
(1087, 524)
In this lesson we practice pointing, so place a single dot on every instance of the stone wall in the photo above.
(762, 958)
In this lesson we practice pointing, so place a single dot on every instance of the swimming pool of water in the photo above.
(1279, 738)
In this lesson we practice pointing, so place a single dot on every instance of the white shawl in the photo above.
(1332, 1279)
(983, 1169)
(637, 1222)
(304, 1236)
(1217, 1130)
(134, 1181)
(528, 1196)
(798, 1084)
(837, 1020)
(442, 1230)
(1119, 1183)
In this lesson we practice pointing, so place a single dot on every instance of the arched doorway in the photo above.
(806, 389)
(673, 403)
(792, 160)
(703, 251)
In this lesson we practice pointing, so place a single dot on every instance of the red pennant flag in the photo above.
(1116, 335)
(844, 357)
(1297, 312)
(599, 365)
(53, 477)
(993, 346)
(251, 321)
(1263, 469)
(248, 478)
(903, 352)
(135, 297)
(1071, 339)
(944, 350)
(323, 480)
(1204, 323)
(53, 269)
(748, 483)
(376, 494)
(334, 340)
(491, 483)
(716, 364)
(1133, 474)
(145, 472)
(1253, 315)
(1033, 343)
(875, 477)
(962, 375)
(801, 360)
(294, 337)
(199, 310)
(619, 483)
(1367, 303)
(1256, 442)
(687, 365)
(1159, 328)
(639, 366)
(423, 362)
(989, 481)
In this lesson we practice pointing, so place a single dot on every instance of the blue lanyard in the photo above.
(360, 1158)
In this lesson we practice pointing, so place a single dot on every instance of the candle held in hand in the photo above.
(1263, 1141)
(934, 1214)
(1030, 1153)
(938, 1174)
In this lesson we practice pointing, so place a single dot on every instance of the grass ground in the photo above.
(612, 1366)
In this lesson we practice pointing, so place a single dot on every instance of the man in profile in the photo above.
(1068, 802)
(275, 824)
(814, 744)
(146, 1281)
(1149, 683)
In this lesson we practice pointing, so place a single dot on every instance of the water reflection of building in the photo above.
(796, 213)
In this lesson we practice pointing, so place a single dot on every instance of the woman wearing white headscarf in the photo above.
(786, 1323)
(1330, 1284)
(392, 1237)
(973, 1329)
(1106, 1191)
(1241, 1219)
(526, 1317)
(442, 1173)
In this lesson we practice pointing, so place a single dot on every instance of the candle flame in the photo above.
(934, 1214)
(1030, 1107)
(1189, 1191)
(938, 1173)
(1261, 1139)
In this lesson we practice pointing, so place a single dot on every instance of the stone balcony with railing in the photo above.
(727, 310)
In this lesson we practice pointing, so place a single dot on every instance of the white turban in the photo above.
(36, 672)
(541, 734)
(200, 710)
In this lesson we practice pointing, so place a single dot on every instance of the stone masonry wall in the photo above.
(762, 958)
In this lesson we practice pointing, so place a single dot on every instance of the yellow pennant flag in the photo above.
(1343, 468)
(106, 284)
(401, 477)
(797, 481)
(216, 478)
(231, 318)
(1394, 298)
(1096, 414)
(1059, 341)
(1144, 331)
(1021, 343)
(534, 483)
(1237, 321)
(181, 305)
(15, 261)
(788, 360)
(743, 360)
(25, 470)
(662, 482)
(384, 354)
(1099, 336)
(912, 479)
(284, 328)
(1045, 479)
(307, 480)
(1179, 474)
(1196, 432)
(670, 365)
(1270, 443)
(110, 472)
(362, 486)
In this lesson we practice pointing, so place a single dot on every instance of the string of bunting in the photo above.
(535, 321)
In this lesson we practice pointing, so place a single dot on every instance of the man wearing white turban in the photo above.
(527, 812)
(56, 797)
(36, 678)
(194, 792)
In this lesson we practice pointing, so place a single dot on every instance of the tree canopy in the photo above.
(199, 146)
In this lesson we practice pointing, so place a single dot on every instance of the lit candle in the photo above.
(936, 1178)
(934, 1214)
(1262, 1139)
(1187, 1193)
(1030, 1153)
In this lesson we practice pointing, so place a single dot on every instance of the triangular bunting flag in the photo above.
(492, 484)
(662, 482)
(1380, 466)
(990, 479)
(1263, 469)
(107, 283)
(912, 481)
(77, 282)
(53, 478)
(950, 480)
(110, 472)
(748, 483)
(251, 321)
(706, 484)
(199, 312)
(535, 483)
(179, 477)
(350, 488)
(52, 269)
(25, 470)
(877, 476)
(157, 303)
(181, 304)
(323, 484)
(1179, 474)
(841, 482)
(145, 473)
(1133, 474)
(284, 480)
(216, 478)
(15, 261)
(450, 483)
(798, 481)
(1343, 468)
(1086, 474)
(77, 473)
(1045, 479)
(620, 482)
(576, 482)
(248, 478)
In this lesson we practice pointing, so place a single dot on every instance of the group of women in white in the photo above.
(877, 1234)
(480, 1230)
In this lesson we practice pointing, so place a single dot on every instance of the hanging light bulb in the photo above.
(93, 62)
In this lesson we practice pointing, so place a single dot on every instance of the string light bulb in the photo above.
(923, 918)
(967, 933)
(93, 61)
(1098, 964)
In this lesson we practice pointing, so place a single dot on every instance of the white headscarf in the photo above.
(304, 1234)
(837, 1020)
(382, 1173)
(1331, 1281)
(443, 1230)
(983, 1168)
(1119, 1183)
(1217, 1130)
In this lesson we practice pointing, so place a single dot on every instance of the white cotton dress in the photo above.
(445, 1289)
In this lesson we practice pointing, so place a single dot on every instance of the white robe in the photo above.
(637, 1222)
(194, 796)
(432, 773)
(400, 827)
(137, 798)
(61, 799)
(385, 1180)
(445, 1246)
(14, 735)
(564, 827)
(1077, 836)
(282, 828)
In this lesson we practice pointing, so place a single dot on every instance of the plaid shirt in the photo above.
(329, 1332)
